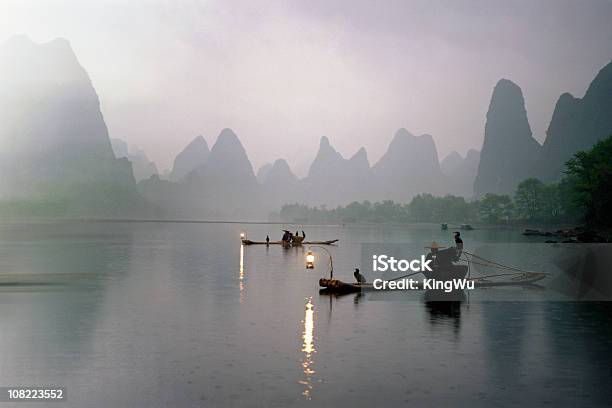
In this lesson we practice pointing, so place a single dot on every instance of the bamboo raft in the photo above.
(285, 243)
(524, 279)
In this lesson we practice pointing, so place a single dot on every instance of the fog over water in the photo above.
(178, 314)
(282, 75)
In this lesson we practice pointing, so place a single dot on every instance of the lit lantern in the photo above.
(310, 260)
(242, 235)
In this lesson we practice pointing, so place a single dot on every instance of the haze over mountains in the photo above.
(190, 158)
(577, 124)
(461, 171)
(53, 139)
(142, 167)
(510, 154)
(509, 150)
(56, 148)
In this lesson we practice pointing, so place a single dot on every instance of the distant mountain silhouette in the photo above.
(53, 139)
(120, 148)
(279, 175)
(225, 184)
(577, 124)
(509, 150)
(54, 144)
(461, 172)
(263, 171)
(190, 158)
(279, 186)
(168, 199)
(409, 167)
(451, 163)
(334, 180)
(327, 160)
(142, 167)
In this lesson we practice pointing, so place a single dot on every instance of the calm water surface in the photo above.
(161, 314)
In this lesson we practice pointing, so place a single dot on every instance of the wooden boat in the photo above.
(448, 272)
(338, 286)
(302, 242)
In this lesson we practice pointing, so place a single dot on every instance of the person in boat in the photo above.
(286, 237)
(267, 240)
(439, 256)
(433, 251)
(359, 277)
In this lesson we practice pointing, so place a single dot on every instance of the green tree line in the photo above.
(584, 194)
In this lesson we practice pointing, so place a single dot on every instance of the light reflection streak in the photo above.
(241, 274)
(308, 348)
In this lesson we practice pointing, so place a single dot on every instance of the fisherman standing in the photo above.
(267, 240)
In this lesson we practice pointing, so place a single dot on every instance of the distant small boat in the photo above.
(538, 233)
(300, 242)
(462, 226)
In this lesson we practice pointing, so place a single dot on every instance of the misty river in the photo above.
(169, 314)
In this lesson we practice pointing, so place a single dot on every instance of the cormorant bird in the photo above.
(458, 243)
(358, 276)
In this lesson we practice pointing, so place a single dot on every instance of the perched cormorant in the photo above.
(458, 243)
(358, 276)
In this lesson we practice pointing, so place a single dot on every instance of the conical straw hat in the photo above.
(434, 245)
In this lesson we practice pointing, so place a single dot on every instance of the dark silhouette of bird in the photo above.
(358, 276)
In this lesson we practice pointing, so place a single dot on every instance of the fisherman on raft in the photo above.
(445, 257)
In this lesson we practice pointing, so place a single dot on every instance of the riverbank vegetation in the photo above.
(584, 194)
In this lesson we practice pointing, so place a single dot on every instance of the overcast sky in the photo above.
(282, 74)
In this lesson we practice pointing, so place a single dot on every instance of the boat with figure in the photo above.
(467, 227)
(290, 243)
(447, 266)
(523, 279)
(288, 240)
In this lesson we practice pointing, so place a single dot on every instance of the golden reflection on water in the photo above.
(308, 348)
(241, 274)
